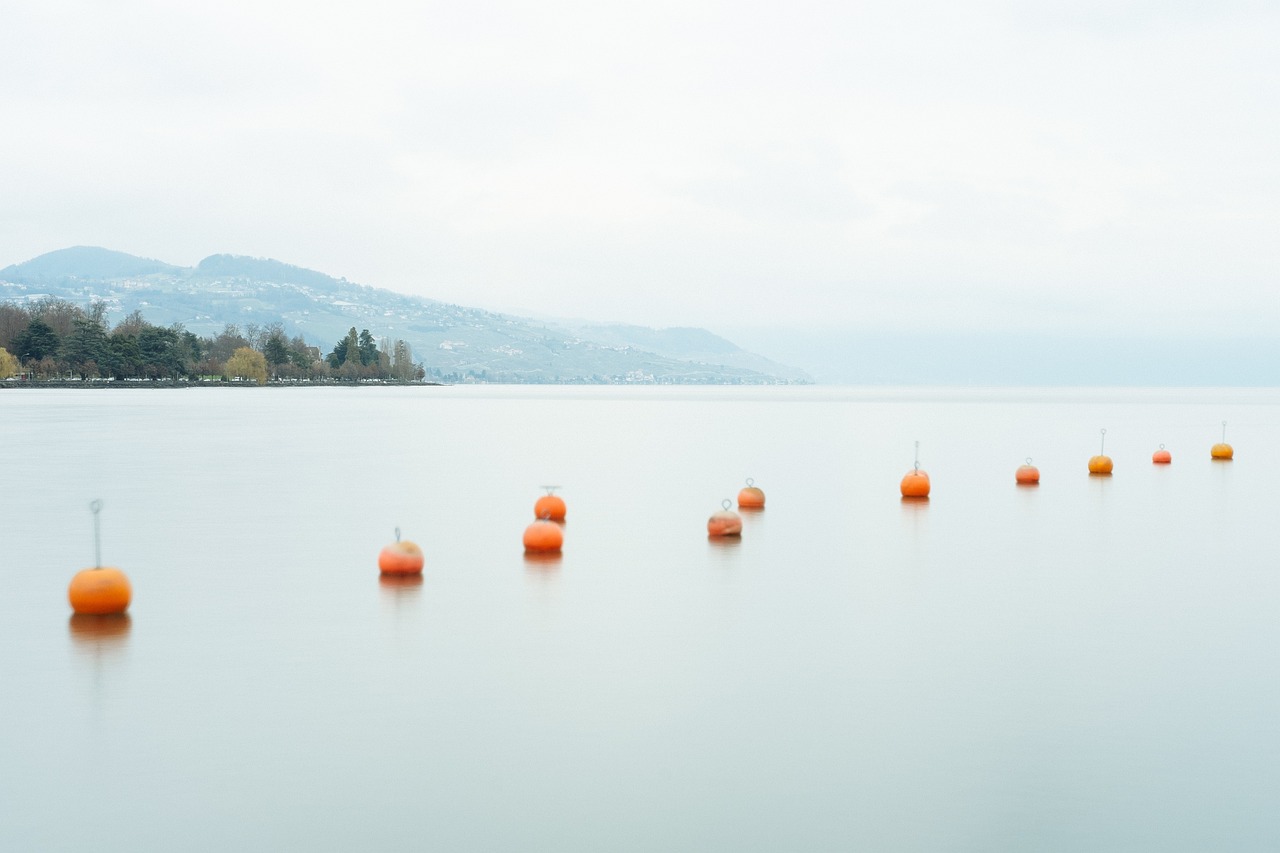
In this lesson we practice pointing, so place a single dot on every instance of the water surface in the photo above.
(1085, 665)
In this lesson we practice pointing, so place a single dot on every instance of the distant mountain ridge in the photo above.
(455, 343)
(264, 269)
(84, 262)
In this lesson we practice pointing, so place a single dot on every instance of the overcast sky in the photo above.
(1062, 165)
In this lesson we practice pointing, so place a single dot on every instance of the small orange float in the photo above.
(1027, 475)
(102, 589)
(1100, 464)
(1222, 450)
(916, 482)
(549, 506)
(1161, 456)
(751, 497)
(400, 558)
(99, 591)
(543, 537)
(726, 522)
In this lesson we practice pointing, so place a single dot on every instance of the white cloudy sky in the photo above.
(1064, 164)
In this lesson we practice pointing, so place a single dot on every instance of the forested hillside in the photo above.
(452, 343)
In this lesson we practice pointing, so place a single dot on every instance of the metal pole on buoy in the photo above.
(95, 507)
(1222, 450)
(916, 482)
(1101, 464)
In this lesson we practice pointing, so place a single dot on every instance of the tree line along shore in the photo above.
(57, 343)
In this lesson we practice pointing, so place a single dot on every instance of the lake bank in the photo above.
(178, 383)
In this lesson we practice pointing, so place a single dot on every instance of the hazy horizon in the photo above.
(921, 356)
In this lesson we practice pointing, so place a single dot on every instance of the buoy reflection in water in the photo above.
(400, 586)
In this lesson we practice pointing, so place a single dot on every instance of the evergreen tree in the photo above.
(159, 351)
(191, 347)
(300, 355)
(353, 349)
(276, 352)
(402, 361)
(86, 349)
(36, 342)
(347, 349)
(368, 348)
(124, 357)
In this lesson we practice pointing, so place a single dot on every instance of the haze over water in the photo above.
(1086, 665)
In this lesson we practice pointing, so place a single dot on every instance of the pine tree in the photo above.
(36, 342)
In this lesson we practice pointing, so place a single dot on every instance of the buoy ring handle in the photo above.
(726, 503)
(750, 483)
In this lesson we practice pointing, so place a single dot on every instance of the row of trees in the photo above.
(53, 338)
(360, 356)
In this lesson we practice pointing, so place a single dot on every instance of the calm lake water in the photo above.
(1087, 665)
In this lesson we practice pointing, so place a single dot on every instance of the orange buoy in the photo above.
(400, 557)
(916, 482)
(1222, 450)
(543, 537)
(549, 506)
(1101, 464)
(102, 589)
(1027, 475)
(726, 522)
(1161, 456)
(751, 497)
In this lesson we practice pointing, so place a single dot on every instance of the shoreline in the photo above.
(150, 384)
